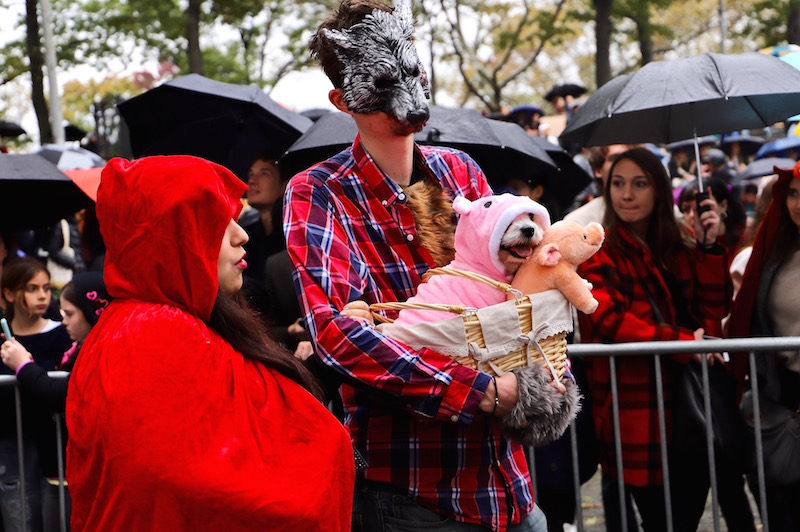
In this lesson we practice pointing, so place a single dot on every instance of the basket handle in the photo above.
(376, 307)
(497, 285)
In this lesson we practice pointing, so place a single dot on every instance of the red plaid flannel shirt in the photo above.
(413, 414)
(622, 279)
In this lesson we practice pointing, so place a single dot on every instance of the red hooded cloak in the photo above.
(169, 427)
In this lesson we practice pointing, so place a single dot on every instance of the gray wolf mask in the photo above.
(382, 72)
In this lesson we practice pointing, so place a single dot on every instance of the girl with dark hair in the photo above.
(653, 281)
(179, 402)
(83, 300)
(26, 291)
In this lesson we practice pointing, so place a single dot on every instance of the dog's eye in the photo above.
(487, 204)
(384, 82)
(531, 217)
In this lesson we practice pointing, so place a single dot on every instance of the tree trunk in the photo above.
(644, 30)
(193, 37)
(602, 24)
(36, 60)
(793, 24)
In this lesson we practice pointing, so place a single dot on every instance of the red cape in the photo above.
(169, 427)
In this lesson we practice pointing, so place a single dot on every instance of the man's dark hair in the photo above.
(349, 13)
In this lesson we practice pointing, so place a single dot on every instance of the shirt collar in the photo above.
(384, 187)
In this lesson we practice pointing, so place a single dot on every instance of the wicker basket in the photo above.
(551, 348)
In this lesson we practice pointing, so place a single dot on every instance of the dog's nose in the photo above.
(528, 232)
(418, 116)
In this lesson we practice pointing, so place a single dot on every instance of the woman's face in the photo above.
(74, 320)
(231, 261)
(632, 195)
(793, 201)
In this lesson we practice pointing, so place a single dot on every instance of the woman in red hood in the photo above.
(182, 413)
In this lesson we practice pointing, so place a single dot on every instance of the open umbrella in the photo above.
(225, 123)
(779, 147)
(73, 133)
(36, 193)
(717, 93)
(563, 90)
(688, 144)
(69, 157)
(10, 129)
(500, 148)
(761, 167)
(748, 144)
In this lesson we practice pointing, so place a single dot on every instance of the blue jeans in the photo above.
(10, 500)
(381, 508)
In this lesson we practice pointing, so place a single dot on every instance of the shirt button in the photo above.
(454, 418)
(401, 196)
(409, 237)
(384, 203)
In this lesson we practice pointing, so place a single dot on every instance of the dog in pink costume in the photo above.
(494, 236)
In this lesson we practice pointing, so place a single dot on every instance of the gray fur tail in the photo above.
(541, 414)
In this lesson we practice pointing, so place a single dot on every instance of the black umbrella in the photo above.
(748, 144)
(668, 101)
(563, 90)
(35, 193)
(73, 133)
(501, 149)
(225, 123)
(10, 129)
(688, 144)
(761, 167)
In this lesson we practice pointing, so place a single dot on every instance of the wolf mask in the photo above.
(382, 72)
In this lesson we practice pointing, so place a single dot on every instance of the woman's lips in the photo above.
(242, 264)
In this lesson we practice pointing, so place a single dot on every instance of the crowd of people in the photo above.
(231, 374)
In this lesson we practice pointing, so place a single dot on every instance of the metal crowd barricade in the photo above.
(748, 345)
(657, 349)
(10, 380)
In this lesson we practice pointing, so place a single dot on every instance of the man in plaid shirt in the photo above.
(426, 425)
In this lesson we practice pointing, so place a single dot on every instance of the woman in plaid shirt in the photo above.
(654, 281)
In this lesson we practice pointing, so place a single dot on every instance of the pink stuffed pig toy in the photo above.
(565, 245)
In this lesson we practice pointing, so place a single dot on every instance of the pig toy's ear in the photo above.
(550, 255)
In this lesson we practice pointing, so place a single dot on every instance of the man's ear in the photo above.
(336, 97)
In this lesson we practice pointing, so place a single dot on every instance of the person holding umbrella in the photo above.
(653, 281)
(426, 425)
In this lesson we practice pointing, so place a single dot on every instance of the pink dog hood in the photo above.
(482, 225)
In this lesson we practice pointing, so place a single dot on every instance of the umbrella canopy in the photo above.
(87, 179)
(10, 129)
(73, 133)
(69, 157)
(748, 144)
(717, 93)
(779, 147)
(222, 122)
(500, 148)
(761, 167)
(36, 193)
(688, 144)
(563, 90)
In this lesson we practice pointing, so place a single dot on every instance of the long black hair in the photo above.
(238, 324)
